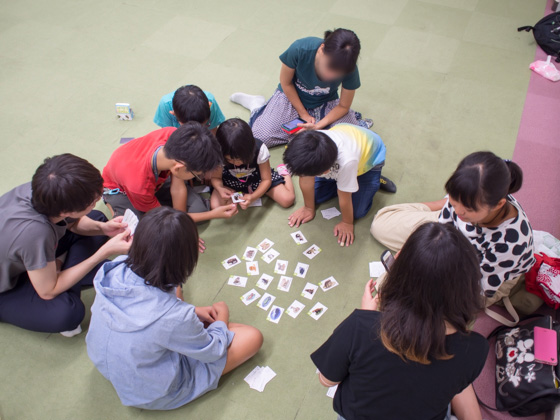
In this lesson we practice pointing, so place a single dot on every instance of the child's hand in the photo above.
(201, 246)
(222, 312)
(300, 216)
(225, 193)
(308, 118)
(226, 212)
(113, 227)
(118, 245)
(370, 302)
(206, 314)
(345, 233)
(248, 199)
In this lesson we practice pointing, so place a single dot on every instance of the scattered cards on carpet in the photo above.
(266, 301)
(317, 311)
(252, 268)
(265, 245)
(237, 281)
(312, 251)
(284, 283)
(231, 262)
(295, 309)
(264, 281)
(250, 253)
(309, 290)
(275, 314)
(298, 237)
(281, 267)
(328, 283)
(250, 296)
(301, 270)
(270, 256)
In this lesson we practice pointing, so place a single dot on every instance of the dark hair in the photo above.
(236, 140)
(482, 178)
(195, 146)
(65, 184)
(310, 153)
(190, 103)
(436, 278)
(164, 251)
(342, 46)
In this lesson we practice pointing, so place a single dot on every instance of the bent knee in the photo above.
(287, 202)
(65, 318)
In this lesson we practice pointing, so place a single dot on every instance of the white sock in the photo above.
(251, 102)
(72, 333)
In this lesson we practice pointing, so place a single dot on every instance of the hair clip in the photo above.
(507, 160)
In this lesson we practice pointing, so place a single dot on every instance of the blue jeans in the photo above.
(362, 200)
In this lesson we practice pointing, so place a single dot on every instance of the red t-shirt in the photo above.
(130, 169)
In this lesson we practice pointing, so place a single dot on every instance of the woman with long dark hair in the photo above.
(158, 351)
(408, 353)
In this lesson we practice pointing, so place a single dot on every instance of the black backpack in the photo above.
(547, 34)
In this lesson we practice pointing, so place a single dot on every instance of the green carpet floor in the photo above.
(440, 79)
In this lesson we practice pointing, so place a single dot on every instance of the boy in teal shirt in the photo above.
(189, 103)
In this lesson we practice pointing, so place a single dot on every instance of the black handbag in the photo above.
(524, 387)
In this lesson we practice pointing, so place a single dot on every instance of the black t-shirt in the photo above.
(378, 384)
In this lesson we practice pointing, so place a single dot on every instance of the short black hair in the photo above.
(65, 184)
(310, 153)
(164, 251)
(482, 178)
(342, 46)
(236, 140)
(195, 146)
(190, 103)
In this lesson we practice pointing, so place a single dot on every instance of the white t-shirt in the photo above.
(345, 169)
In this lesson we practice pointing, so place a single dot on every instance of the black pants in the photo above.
(22, 306)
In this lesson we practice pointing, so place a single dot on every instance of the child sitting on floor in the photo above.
(189, 103)
(247, 169)
(158, 351)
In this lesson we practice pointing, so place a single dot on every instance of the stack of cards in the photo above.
(131, 220)
(330, 213)
(331, 391)
(259, 377)
(376, 269)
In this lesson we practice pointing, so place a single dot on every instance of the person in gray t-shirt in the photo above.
(52, 244)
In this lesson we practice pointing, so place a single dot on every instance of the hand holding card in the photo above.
(131, 220)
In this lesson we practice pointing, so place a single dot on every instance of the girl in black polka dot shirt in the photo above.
(481, 206)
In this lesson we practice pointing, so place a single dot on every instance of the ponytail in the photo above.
(515, 175)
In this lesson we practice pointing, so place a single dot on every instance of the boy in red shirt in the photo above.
(151, 171)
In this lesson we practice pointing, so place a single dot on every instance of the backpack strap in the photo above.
(502, 319)
(525, 28)
(536, 395)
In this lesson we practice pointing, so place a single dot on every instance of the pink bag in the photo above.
(546, 69)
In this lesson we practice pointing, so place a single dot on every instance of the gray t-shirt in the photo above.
(28, 240)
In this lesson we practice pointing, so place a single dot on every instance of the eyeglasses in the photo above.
(196, 176)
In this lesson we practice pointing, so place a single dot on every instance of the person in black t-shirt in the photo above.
(414, 357)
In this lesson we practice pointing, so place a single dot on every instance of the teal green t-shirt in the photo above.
(312, 91)
(164, 119)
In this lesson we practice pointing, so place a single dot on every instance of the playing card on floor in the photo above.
(317, 311)
(301, 270)
(270, 256)
(298, 237)
(330, 213)
(250, 297)
(250, 253)
(253, 268)
(376, 269)
(284, 283)
(265, 245)
(275, 314)
(131, 220)
(295, 309)
(266, 301)
(264, 281)
(237, 281)
(309, 290)
(328, 283)
(312, 251)
(231, 262)
(259, 377)
(281, 267)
